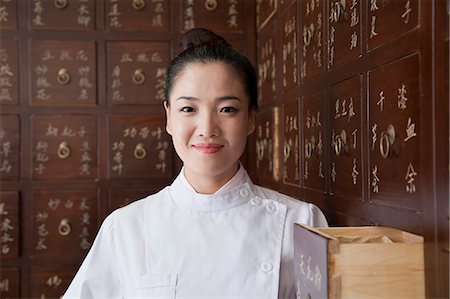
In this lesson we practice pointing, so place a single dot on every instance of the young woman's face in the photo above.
(209, 119)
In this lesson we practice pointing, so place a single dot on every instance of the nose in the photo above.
(208, 126)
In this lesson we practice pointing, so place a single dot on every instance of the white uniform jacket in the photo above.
(236, 243)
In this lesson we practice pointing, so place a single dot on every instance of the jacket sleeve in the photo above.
(98, 276)
(317, 218)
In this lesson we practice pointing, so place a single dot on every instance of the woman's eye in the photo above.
(187, 109)
(228, 109)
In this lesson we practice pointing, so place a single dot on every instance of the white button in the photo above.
(255, 201)
(271, 208)
(266, 267)
(244, 192)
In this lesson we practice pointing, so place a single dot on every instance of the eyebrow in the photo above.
(224, 98)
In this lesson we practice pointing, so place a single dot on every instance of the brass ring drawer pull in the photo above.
(308, 34)
(309, 148)
(338, 10)
(140, 152)
(340, 144)
(138, 4)
(63, 76)
(61, 4)
(64, 227)
(64, 150)
(211, 5)
(139, 77)
(387, 139)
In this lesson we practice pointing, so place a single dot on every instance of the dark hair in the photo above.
(203, 45)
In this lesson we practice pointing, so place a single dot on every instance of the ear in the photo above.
(168, 118)
(251, 121)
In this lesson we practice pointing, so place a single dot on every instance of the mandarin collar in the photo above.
(219, 201)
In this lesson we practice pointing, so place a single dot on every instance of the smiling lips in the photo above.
(208, 148)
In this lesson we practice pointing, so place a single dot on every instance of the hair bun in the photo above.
(199, 36)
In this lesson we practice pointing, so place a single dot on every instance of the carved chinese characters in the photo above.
(139, 147)
(137, 72)
(150, 15)
(8, 14)
(395, 133)
(9, 225)
(344, 33)
(346, 143)
(9, 147)
(267, 145)
(64, 223)
(314, 141)
(120, 197)
(291, 150)
(9, 72)
(222, 15)
(62, 14)
(63, 73)
(312, 38)
(389, 19)
(290, 49)
(50, 282)
(9, 282)
(64, 147)
(267, 64)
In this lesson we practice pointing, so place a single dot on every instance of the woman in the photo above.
(212, 233)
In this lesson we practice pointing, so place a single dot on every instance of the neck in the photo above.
(209, 184)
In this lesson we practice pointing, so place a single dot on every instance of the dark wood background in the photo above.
(334, 78)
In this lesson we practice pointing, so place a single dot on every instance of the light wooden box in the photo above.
(358, 262)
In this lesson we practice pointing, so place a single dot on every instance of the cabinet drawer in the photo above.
(344, 31)
(222, 16)
(137, 72)
(64, 223)
(62, 14)
(139, 147)
(314, 141)
(138, 15)
(62, 73)
(9, 72)
(9, 225)
(9, 147)
(64, 147)
(395, 133)
(346, 139)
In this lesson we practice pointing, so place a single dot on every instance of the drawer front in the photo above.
(387, 20)
(71, 15)
(8, 19)
(64, 147)
(344, 31)
(138, 15)
(139, 147)
(267, 74)
(222, 16)
(63, 73)
(137, 72)
(290, 51)
(395, 131)
(267, 145)
(314, 141)
(64, 223)
(312, 39)
(9, 147)
(50, 282)
(9, 282)
(9, 72)
(346, 134)
(9, 225)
